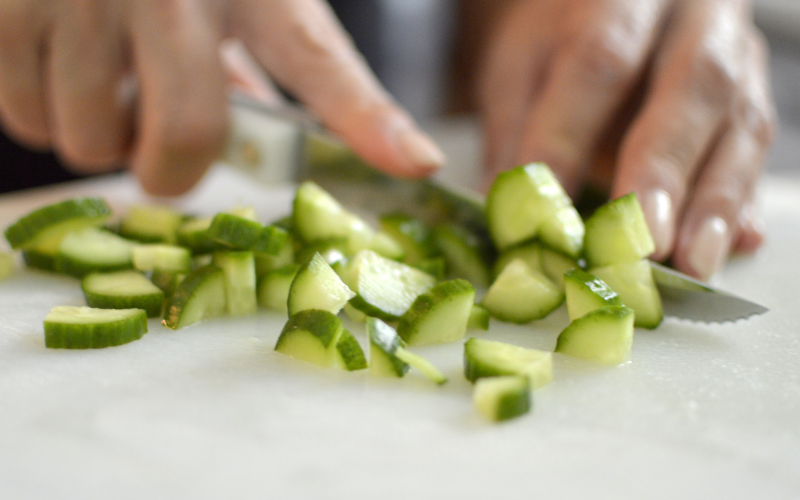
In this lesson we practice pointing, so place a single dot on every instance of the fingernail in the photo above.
(420, 150)
(657, 208)
(710, 247)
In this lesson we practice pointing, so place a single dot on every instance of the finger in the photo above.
(750, 229)
(720, 216)
(511, 78)
(245, 75)
(22, 104)
(302, 46)
(693, 84)
(91, 121)
(606, 49)
(183, 119)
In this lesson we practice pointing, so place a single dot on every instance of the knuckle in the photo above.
(714, 76)
(758, 120)
(609, 57)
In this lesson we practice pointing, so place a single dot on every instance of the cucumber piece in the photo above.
(464, 254)
(39, 260)
(354, 314)
(284, 257)
(45, 227)
(586, 292)
(7, 264)
(238, 233)
(530, 253)
(273, 288)
(435, 266)
(167, 282)
(438, 315)
(317, 286)
(201, 295)
(412, 234)
(423, 365)
(193, 234)
(91, 250)
(384, 288)
(617, 232)
(604, 335)
(520, 200)
(163, 258)
(383, 244)
(489, 358)
(478, 318)
(312, 336)
(383, 345)
(240, 281)
(350, 356)
(69, 327)
(634, 283)
(332, 251)
(151, 224)
(563, 231)
(122, 290)
(521, 294)
(555, 265)
(502, 398)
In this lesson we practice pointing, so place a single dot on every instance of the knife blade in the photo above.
(286, 145)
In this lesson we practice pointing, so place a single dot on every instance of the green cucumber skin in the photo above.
(618, 316)
(30, 226)
(586, 292)
(61, 336)
(196, 239)
(412, 234)
(463, 253)
(487, 358)
(39, 260)
(511, 403)
(80, 269)
(416, 317)
(150, 303)
(324, 325)
(350, 352)
(435, 266)
(151, 224)
(244, 234)
(185, 292)
(384, 339)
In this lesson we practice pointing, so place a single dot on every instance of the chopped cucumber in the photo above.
(45, 227)
(384, 342)
(332, 251)
(193, 234)
(564, 231)
(617, 232)
(555, 265)
(354, 314)
(478, 318)
(530, 253)
(586, 292)
(435, 266)
(39, 260)
(69, 327)
(240, 281)
(91, 250)
(521, 294)
(604, 335)
(7, 264)
(123, 290)
(423, 365)
(317, 286)
(312, 335)
(438, 315)
(350, 356)
(413, 236)
(284, 257)
(464, 254)
(502, 398)
(520, 200)
(151, 224)
(488, 358)
(167, 282)
(239, 233)
(201, 295)
(634, 283)
(162, 257)
(384, 288)
(273, 288)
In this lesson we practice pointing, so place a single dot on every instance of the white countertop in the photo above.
(211, 411)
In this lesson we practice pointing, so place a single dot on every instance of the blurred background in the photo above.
(411, 45)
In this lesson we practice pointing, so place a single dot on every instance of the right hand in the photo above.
(141, 83)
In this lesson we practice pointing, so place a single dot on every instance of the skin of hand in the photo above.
(666, 98)
(143, 83)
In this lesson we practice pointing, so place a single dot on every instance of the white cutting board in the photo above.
(212, 411)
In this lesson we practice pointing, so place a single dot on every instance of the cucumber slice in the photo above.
(617, 232)
(520, 200)
(423, 365)
(332, 251)
(284, 257)
(122, 290)
(521, 294)
(69, 327)
(151, 224)
(163, 258)
(435, 266)
(464, 254)
(383, 345)
(502, 398)
(478, 318)
(91, 250)
(634, 283)
(238, 233)
(316, 215)
(193, 234)
(604, 335)
(39, 260)
(438, 315)
(555, 265)
(7, 264)
(530, 253)
(240, 281)
(45, 227)
(317, 286)
(354, 314)
(201, 295)
(167, 282)
(273, 288)
(564, 231)
(488, 358)
(350, 356)
(412, 234)
(312, 336)
(384, 288)
(586, 292)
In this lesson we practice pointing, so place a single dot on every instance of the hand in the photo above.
(666, 98)
(141, 82)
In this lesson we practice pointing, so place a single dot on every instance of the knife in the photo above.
(284, 144)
